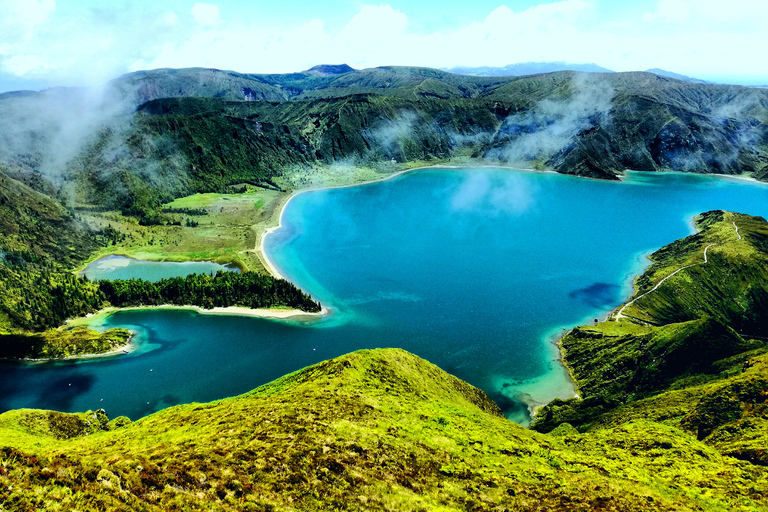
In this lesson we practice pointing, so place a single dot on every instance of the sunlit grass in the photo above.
(375, 429)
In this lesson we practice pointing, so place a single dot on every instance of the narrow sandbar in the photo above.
(271, 313)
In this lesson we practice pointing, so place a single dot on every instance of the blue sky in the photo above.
(86, 42)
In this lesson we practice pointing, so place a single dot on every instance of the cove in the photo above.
(476, 270)
(121, 267)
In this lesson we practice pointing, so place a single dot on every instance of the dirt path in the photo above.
(620, 313)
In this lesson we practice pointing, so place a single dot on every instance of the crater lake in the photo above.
(477, 270)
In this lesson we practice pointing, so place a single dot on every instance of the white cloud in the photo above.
(375, 23)
(205, 14)
(21, 65)
(84, 47)
(373, 35)
(670, 11)
(20, 17)
(739, 14)
(72, 47)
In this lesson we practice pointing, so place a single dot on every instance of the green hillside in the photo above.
(671, 417)
(39, 238)
(41, 241)
(373, 430)
(688, 349)
(672, 408)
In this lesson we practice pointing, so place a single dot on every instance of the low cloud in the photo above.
(509, 194)
(205, 14)
(539, 133)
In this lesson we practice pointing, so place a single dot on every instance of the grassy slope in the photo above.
(229, 233)
(378, 429)
(685, 354)
(38, 239)
(729, 288)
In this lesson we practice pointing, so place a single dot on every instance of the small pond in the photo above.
(121, 267)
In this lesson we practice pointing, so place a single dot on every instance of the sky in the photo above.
(46, 43)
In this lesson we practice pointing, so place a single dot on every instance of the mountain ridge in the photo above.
(589, 124)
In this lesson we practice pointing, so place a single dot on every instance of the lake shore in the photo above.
(268, 313)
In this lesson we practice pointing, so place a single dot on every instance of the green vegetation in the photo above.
(40, 241)
(228, 233)
(61, 343)
(671, 417)
(730, 287)
(225, 289)
(374, 430)
(199, 130)
(687, 350)
(673, 388)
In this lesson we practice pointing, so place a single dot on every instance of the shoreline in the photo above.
(553, 339)
(259, 249)
(267, 313)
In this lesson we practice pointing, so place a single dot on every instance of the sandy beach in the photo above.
(271, 313)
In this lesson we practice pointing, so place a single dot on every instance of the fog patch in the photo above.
(553, 124)
(392, 136)
(59, 134)
(510, 194)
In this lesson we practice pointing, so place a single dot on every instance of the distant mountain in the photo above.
(166, 133)
(329, 70)
(677, 76)
(528, 68)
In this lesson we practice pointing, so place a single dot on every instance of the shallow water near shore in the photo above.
(476, 270)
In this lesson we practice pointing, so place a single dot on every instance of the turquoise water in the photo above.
(120, 267)
(475, 270)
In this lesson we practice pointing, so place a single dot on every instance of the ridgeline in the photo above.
(163, 134)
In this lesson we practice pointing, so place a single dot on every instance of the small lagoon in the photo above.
(121, 267)
(476, 270)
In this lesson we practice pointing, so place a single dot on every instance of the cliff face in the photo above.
(377, 430)
(594, 125)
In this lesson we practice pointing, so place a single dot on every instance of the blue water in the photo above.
(474, 270)
(120, 267)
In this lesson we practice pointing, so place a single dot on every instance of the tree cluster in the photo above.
(224, 289)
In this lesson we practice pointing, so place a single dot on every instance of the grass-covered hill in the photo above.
(373, 430)
(688, 349)
(39, 239)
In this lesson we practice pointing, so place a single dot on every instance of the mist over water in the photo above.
(476, 270)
